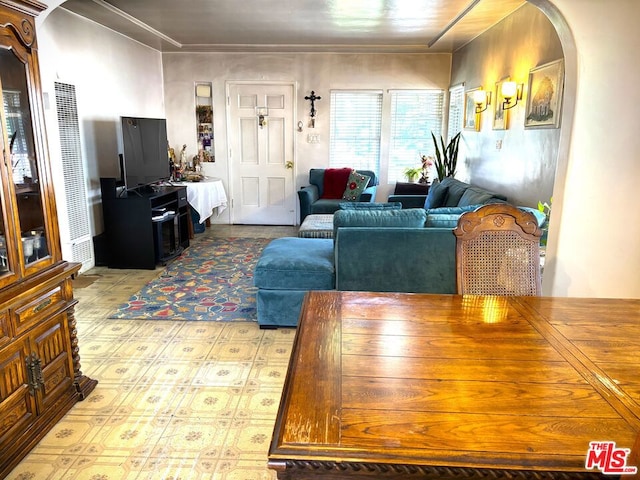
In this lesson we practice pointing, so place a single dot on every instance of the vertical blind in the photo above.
(77, 235)
(356, 119)
(414, 115)
(456, 110)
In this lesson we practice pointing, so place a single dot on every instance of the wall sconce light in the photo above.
(482, 99)
(262, 113)
(511, 91)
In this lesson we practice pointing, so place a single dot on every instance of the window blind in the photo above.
(456, 110)
(414, 115)
(356, 119)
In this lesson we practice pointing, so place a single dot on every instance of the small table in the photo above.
(317, 226)
(205, 196)
(408, 386)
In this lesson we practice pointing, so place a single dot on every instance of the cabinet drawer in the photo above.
(29, 314)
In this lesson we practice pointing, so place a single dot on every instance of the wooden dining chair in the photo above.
(498, 252)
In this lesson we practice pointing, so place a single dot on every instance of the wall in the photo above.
(113, 76)
(318, 72)
(524, 167)
(593, 239)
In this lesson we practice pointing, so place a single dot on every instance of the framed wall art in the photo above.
(500, 115)
(544, 100)
(471, 118)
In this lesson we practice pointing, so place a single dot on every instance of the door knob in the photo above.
(288, 164)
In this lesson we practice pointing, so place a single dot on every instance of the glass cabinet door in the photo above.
(20, 151)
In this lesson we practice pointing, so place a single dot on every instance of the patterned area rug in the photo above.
(212, 280)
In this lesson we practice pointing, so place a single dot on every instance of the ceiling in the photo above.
(402, 26)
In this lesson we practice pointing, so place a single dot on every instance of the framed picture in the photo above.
(500, 115)
(471, 118)
(544, 100)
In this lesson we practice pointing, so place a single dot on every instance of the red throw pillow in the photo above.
(335, 181)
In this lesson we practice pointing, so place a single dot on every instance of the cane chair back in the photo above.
(498, 252)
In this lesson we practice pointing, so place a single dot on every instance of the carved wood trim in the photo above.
(29, 7)
(84, 385)
(23, 28)
(336, 469)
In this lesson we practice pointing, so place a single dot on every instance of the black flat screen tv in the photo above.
(145, 157)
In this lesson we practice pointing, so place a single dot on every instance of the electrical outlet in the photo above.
(498, 144)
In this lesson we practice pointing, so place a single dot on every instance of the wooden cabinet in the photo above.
(40, 376)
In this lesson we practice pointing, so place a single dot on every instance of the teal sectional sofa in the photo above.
(378, 250)
(449, 199)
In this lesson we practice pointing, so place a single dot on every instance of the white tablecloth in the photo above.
(205, 196)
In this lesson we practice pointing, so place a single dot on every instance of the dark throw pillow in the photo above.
(436, 196)
(335, 181)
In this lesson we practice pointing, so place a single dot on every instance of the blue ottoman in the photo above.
(287, 269)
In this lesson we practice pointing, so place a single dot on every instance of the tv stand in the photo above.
(144, 228)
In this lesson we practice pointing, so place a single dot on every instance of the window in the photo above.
(356, 119)
(414, 115)
(456, 110)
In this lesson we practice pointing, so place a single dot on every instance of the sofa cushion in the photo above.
(411, 218)
(370, 206)
(455, 190)
(356, 183)
(292, 263)
(442, 220)
(325, 205)
(474, 196)
(335, 181)
(452, 210)
(436, 195)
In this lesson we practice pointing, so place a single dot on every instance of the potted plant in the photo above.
(412, 174)
(446, 156)
(546, 209)
(427, 163)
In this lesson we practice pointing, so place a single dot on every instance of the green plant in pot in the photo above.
(546, 209)
(446, 156)
(412, 174)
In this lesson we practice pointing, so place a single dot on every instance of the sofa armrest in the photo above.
(307, 196)
(409, 201)
(395, 259)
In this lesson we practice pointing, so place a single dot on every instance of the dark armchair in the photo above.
(311, 201)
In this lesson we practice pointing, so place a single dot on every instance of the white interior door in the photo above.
(261, 153)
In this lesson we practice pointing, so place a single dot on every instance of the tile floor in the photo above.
(175, 400)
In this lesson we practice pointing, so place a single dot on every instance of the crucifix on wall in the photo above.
(312, 98)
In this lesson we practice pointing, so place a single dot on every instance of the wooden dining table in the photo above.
(396, 385)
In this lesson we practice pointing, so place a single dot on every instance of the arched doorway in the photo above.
(568, 111)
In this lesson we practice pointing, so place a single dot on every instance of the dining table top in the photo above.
(462, 383)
